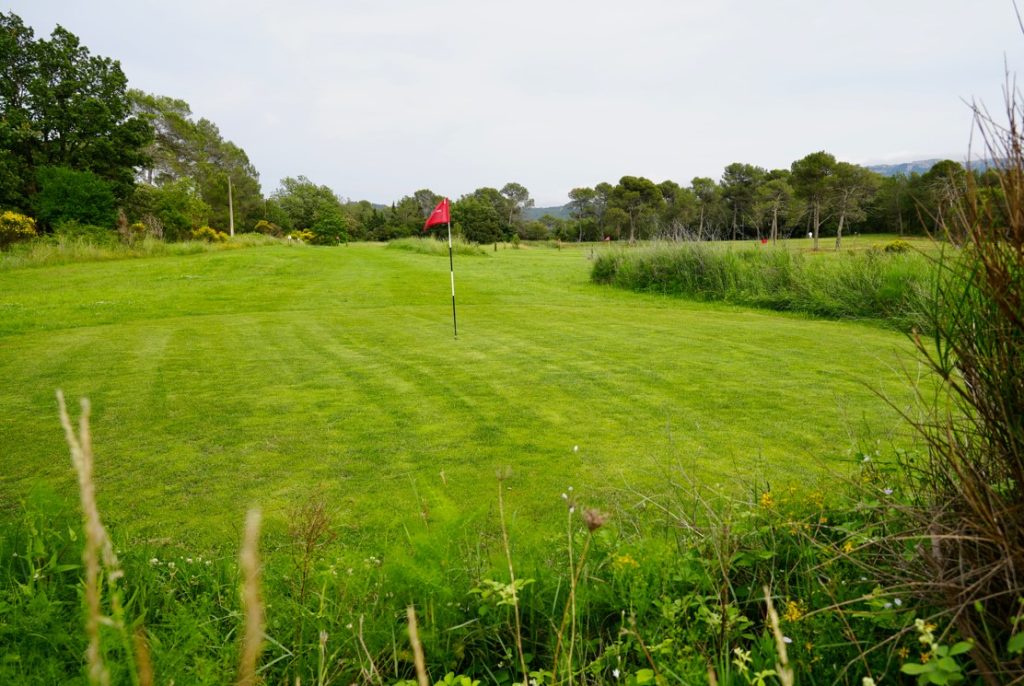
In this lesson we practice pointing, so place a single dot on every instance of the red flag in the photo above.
(440, 215)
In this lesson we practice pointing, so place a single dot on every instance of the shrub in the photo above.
(209, 235)
(15, 227)
(302, 235)
(87, 233)
(268, 228)
(66, 194)
(896, 246)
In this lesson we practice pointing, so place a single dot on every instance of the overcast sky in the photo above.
(378, 98)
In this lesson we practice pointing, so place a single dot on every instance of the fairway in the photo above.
(226, 379)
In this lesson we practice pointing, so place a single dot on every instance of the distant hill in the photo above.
(562, 212)
(906, 168)
(920, 167)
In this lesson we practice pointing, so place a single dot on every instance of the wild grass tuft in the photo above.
(434, 246)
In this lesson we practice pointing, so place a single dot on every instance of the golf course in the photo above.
(255, 377)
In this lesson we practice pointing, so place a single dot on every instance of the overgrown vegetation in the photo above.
(82, 243)
(435, 246)
(889, 283)
(675, 594)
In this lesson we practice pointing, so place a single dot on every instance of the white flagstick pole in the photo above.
(451, 266)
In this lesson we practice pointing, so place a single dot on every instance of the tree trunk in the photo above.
(700, 228)
(839, 232)
(775, 225)
(734, 221)
(899, 214)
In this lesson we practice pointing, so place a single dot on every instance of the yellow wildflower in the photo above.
(623, 561)
(848, 547)
(767, 501)
(795, 611)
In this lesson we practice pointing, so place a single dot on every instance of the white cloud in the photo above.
(379, 98)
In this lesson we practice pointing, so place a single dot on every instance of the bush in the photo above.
(89, 233)
(302, 235)
(896, 246)
(205, 233)
(66, 194)
(268, 228)
(15, 227)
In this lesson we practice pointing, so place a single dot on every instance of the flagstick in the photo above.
(451, 265)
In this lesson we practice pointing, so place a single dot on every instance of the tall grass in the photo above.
(866, 285)
(56, 250)
(434, 246)
(968, 518)
(677, 596)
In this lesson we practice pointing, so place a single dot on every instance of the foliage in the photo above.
(195, 152)
(172, 210)
(476, 219)
(15, 227)
(869, 284)
(68, 195)
(205, 233)
(897, 246)
(667, 597)
(62, 107)
(331, 228)
(268, 228)
(73, 231)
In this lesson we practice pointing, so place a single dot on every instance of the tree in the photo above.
(477, 219)
(851, 188)
(61, 106)
(427, 201)
(810, 179)
(640, 200)
(944, 185)
(173, 210)
(892, 208)
(708, 197)
(582, 208)
(518, 200)
(739, 190)
(775, 198)
(196, 149)
(679, 211)
(173, 152)
(304, 203)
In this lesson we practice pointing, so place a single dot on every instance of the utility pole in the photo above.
(231, 210)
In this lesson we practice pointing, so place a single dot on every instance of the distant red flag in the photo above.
(440, 215)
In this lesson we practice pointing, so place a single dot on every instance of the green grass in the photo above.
(223, 379)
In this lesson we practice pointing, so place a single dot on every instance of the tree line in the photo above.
(77, 145)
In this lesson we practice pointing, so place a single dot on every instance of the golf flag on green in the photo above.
(442, 215)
